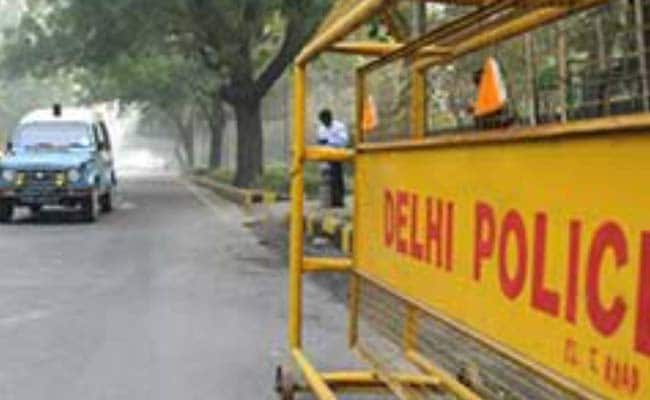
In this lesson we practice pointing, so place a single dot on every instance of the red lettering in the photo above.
(642, 340)
(609, 370)
(634, 385)
(389, 219)
(542, 298)
(575, 230)
(449, 234)
(513, 224)
(605, 320)
(484, 235)
(416, 248)
(434, 231)
(625, 378)
(401, 222)
(571, 352)
(593, 359)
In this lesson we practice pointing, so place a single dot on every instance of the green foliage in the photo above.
(232, 37)
(167, 82)
(169, 51)
(548, 77)
(222, 175)
(275, 178)
(313, 179)
(19, 95)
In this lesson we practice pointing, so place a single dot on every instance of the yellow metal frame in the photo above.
(515, 17)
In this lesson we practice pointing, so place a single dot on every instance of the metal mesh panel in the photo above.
(338, 9)
(381, 332)
(440, 14)
(609, 75)
(408, 18)
(451, 89)
(592, 64)
(389, 89)
(382, 326)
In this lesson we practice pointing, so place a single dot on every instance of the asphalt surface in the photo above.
(168, 297)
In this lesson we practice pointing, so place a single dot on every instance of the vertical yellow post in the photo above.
(418, 103)
(360, 88)
(297, 209)
(353, 309)
(355, 282)
(410, 333)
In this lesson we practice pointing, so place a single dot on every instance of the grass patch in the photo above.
(275, 179)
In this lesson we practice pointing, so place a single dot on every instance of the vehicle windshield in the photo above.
(53, 135)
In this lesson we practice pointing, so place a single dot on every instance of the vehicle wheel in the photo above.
(6, 211)
(285, 383)
(106, 201)
(90, 207)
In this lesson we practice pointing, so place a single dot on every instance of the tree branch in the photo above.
(296, 34)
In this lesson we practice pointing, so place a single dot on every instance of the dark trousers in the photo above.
(337, 185)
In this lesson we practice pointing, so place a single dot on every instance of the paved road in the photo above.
(169, 297)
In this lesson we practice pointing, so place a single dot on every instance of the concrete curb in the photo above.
(245, 197)
(335, 227)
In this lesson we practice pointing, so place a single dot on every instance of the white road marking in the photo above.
(202, 197)
(23, 318)
(126, 206)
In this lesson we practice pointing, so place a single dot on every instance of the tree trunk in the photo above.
(603, 77)
(531, 84)
(185, 126)
(250, 143)
(562, 70)
(645, 16)
(216, 122)
(419, 18)
(216, 147)
(642, 37)
(180, 157)
(187, 139)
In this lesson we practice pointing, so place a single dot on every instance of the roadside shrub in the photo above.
(223, 175)
(312, 179)
(276, 178)
(200, 171)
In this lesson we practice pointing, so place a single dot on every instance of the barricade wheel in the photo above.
(285, 383)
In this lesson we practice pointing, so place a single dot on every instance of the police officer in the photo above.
(333, 133)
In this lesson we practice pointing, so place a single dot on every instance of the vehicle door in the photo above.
(105, 155)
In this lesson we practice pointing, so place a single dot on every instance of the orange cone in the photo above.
(370, 120)
(492, 93)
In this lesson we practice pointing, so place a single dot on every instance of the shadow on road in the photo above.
(47, 217)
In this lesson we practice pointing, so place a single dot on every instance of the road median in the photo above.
(245, 197)
(334, 224)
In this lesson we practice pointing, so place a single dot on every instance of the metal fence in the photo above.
(589, 65)
(395, 335)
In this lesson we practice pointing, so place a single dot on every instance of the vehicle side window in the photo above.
(97, 135)
(106, 139)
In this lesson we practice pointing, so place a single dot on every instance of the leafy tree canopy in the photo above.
(247, 45)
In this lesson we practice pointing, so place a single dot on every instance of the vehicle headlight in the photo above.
(59, 179)
(74, 175)
(8, 175)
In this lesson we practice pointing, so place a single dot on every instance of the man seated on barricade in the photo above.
(335, 134)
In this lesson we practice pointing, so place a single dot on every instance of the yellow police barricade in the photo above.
(523, 244)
